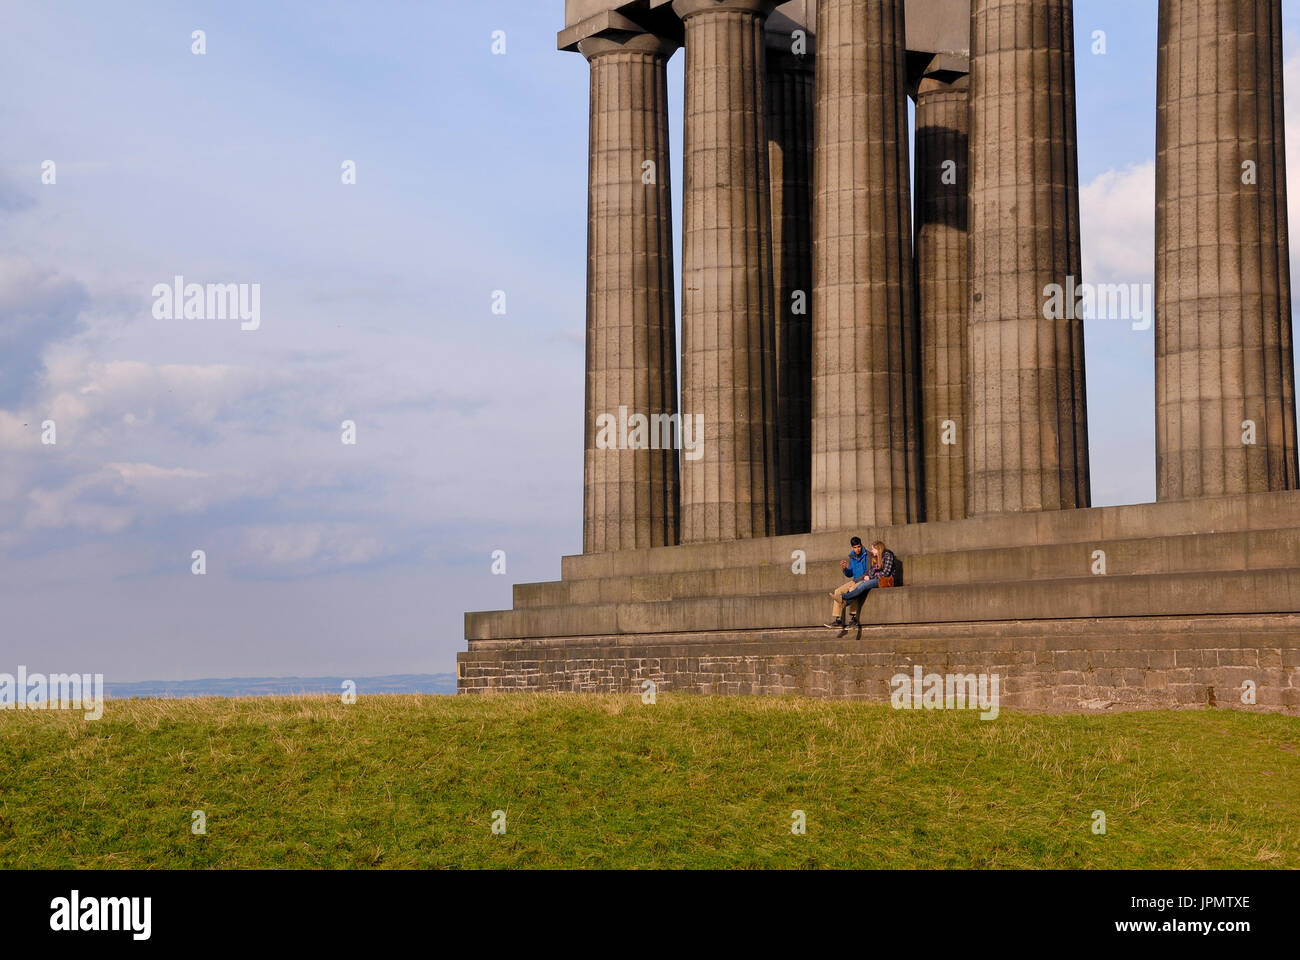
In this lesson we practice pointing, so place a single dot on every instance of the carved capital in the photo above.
(690, 8)
(627, 41)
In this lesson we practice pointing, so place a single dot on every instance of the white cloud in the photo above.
(97, 403)
(300, 548)
(110, 499)
(1117, 219)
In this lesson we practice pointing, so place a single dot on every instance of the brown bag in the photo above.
(886, 581)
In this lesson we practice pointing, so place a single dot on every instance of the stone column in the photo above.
(1027, 417)
(943, 266)
(630, 497)
(790, 157)
(729, 482)
(865, 456)
(1225, 373)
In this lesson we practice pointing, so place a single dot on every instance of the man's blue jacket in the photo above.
(858, 565)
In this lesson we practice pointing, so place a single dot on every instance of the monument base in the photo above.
(1191, 603)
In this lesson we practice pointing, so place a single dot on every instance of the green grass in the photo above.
(605, 781)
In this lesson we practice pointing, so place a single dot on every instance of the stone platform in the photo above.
(1197, 597)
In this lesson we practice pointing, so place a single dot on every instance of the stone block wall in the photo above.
(1075, 665)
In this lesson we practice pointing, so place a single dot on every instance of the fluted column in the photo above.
(790, 157)
(729, 486)
(943, 268)
(865, 457)
(1028, 441)
(1224, 363)
(630, 497)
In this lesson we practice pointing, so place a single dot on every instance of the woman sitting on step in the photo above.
(883, 570)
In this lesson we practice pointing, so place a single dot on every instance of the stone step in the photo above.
(1234, 551)
(1166, 594)
(1261, 511)
(935, 639)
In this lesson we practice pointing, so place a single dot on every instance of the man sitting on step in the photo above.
(883, 570)
(856, 568)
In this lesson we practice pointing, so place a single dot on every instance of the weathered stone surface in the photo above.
(630, 496)
(1073, 666)
(933, 26)
(1260, 591)
(865, 434)
(1261, 511)
(1024, 593)
(1179, 603)
(1223, 284)
(728, 331)
(1028, 447)
(1233, 551)
(943, 272)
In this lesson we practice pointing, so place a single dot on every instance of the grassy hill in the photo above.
(605, 781)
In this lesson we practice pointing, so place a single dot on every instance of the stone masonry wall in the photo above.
(1056, 666)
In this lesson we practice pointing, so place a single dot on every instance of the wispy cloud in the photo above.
(39, 306)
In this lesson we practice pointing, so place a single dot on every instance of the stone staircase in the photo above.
(1216, 574)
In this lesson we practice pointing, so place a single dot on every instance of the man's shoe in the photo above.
(837, 622)
(853, 619)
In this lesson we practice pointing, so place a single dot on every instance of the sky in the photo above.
(178, 435)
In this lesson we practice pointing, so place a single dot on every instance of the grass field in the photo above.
(605, 781)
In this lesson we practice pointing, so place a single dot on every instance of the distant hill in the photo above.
(282, 686)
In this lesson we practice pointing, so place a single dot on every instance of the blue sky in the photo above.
(178, 435)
